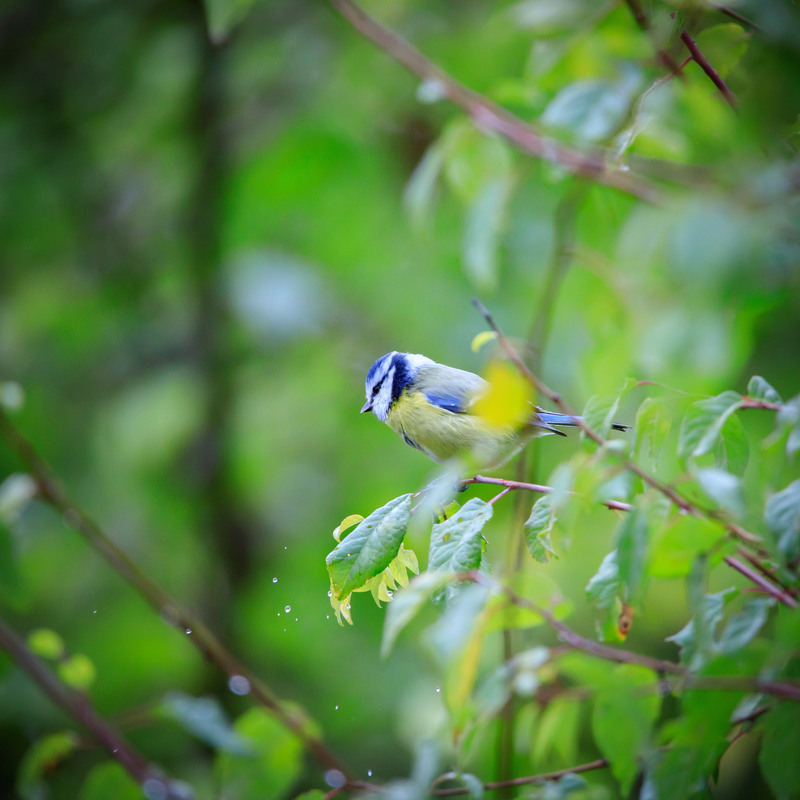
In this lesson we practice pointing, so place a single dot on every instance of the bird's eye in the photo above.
(375, 389)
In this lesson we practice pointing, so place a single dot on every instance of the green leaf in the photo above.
(223, 16)
(782, 515)
(789, 417)
(744, 626)
(420, 193)
(538, 527)
(760, 389)
(483, 225)
(652, 426)
(457, 543)
(108, 780)
(631, 551)
(453, 630)
(44, 755)
(780, 745)
(697, 638)
(77, 671)
(370, 547)
(603, 586)
(628, 695)
(274, 764)
(592, 109)
(558, 731)
(407, 603)
(702, 424)
(204, 718)
(472, 783)
(599, 413)
(675, 546)
(46, 643)
(723, 488)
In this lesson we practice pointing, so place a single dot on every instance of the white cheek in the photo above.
(384, 397)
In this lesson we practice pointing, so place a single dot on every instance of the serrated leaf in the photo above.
(780, 745)
(703, 421)
(538, 527)
(457, 543)
(782, 515)
(204, 718)
(44, 755)
(761, 389)
(652, 426)
(369, 549)
(627, 695)
(723, 488)
(745, 625)
(408, 602)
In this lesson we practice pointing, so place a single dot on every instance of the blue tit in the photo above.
(431, 406)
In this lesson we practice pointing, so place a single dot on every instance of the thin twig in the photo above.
(761, 582)
(736, 15)
(644, 23)
(703, 63)
(571, 637)
(614, 505)
(77, 706)
(543, 777)
(487, 115)
(194, 630)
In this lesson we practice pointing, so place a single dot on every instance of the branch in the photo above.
(487, 115)
(644, 23)
(573, 639)
(55, 495)
(702, 62)
(77, 706)
(614, 505)
(542, 777)
(681, 502)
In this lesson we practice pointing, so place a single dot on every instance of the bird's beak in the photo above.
(366, 407)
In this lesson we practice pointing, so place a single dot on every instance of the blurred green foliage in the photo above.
(206, 242)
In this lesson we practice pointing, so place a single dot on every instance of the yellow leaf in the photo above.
(347, 522)
(481, 339)
(507, 403)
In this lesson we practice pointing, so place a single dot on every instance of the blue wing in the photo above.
(449, 402)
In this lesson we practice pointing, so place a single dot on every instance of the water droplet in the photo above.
(327, 616)
(238, 684)
(336, 708)
(295, 619)
(94, 612)
(155, 789)
(188, 631)
(335, 779)
(274, 580)
(287, 609)
(279, 613)
(389, 593)
(285, 547)
(330, 593)
(369, 773)
(438, 689)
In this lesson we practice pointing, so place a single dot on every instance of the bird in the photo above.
(433, 408)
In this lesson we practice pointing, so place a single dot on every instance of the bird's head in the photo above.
(387, 378)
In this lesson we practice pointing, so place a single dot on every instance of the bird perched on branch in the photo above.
(447, 412)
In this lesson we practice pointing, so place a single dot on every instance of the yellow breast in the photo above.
(441, 434)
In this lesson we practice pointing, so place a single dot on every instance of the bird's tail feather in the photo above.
(552, 418)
